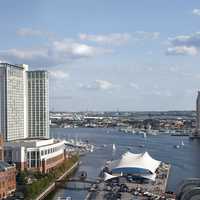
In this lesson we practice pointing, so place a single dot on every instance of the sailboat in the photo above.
(114, 147)
(179, 146)
(92, 148)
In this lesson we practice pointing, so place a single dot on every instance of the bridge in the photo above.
(80, 180)
(80, 183)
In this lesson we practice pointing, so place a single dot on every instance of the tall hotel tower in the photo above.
(38, 108)
(198, 114)
(13, 101)
(23, 102)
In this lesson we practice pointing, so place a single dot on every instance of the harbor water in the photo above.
(185, 161)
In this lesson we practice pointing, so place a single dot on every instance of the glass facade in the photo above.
(38, 107)
(24, 106)
(12, 101)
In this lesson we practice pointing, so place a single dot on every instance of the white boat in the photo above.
(114, 147)
(177, 146)
(92, 148)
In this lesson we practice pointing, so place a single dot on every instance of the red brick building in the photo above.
(1, 149)
(7, 175)
(7, 179)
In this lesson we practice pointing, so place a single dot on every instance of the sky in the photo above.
(108, 55)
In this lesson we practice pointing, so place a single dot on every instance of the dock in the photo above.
(130, 189)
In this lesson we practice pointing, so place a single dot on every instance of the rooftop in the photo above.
(4, 166)
(131, 162)
(33, 142)
(11, 65)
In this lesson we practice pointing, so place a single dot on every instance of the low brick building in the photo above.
(7, 175)
(7, 180)
(35, 154)
(1, 149)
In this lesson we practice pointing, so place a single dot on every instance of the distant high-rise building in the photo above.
(1, 148)
(13, 118)
(198, 114)
(24, 110)
(38, 106)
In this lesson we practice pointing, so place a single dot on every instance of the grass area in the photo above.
(42, 181)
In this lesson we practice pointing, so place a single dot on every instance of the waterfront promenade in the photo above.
(123, 188)
(56, 183)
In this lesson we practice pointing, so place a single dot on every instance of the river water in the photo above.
(185, 161)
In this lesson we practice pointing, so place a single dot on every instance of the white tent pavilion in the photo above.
(108, 176)
(131, 163)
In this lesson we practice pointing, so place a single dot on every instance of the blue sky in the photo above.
(108, 54)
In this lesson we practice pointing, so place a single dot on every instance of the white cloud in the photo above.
(98, 85)
(162, 93)
(184, 44)
(55, 53)
(113, 38)
(173, 69)
(191, 92)
(118, 38)
(25, 53)
(134, 85)
(32, 32)
(196, 12)
(104, 85)
(182, 50)
(58, 74)
(77, 49)
(144, 35)
(3, 61)
(186, 40)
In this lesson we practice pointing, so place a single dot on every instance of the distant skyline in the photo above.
(108, 55)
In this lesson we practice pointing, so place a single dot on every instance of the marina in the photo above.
(160, 147)
(149, 131)
(78, 146)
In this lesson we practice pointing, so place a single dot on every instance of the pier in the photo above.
(123, 188)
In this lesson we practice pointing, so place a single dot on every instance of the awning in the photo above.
(108, 176)
(137, 163)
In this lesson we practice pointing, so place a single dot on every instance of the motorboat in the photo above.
(177, 146)
(114, 147)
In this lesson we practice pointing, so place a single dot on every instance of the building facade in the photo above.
(38, 106)
(7, 175)
(24, 106)
(24, 120)
(12, 102)
(35, 155)
(1, 148)
(198, 114)
(7, 180)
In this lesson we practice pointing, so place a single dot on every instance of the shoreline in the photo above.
(54, 185)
